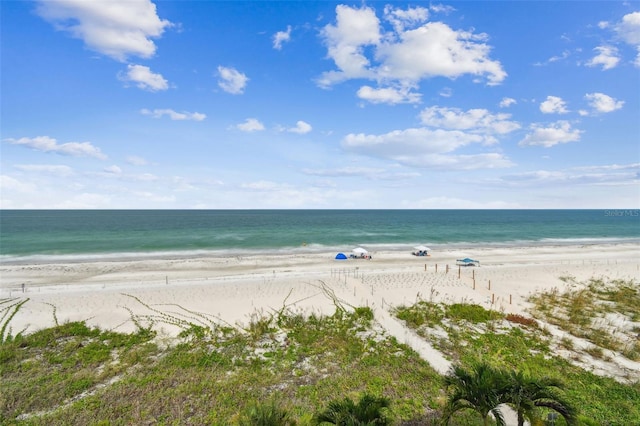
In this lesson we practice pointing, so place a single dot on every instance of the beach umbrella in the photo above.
(360, 250)
(341, 256)
(422, 248)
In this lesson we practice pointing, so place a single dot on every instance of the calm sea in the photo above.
(43, 235)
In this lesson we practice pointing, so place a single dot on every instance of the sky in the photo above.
(319, 104)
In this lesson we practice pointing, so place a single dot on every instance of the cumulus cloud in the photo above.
(231, 80)
(603, 103)
(607, 57)
(388, 95)
(48, 144)
(400, 19)
(144, 78)
(281, 37)
(158, 113)
(301, 128)
(422, 147)
(554, 105)
(554, 134)
(475, 120)
(117, 29)
(507, 102)
(250, 125)
(410, 51)
(629, 30)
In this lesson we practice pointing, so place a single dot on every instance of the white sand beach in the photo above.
(231, 289)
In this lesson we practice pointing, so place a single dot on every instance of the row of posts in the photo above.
(473, 276)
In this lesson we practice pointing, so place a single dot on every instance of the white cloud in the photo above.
(136, 161)
(459, 203)
(629, 30)
(263, 185)
(231, 80)
(144, 78)
(354, 29)
(554, 105)
(446, 92)
(507, 102)
(479, 121)
(158, 113)
(115, 170)
(301, 128)
(607, 57)
(556, 133)
(609, 167)
(117, 29)
(388, 95)
(345, 171)
(281, 37)
(401, 57)
(371, 173)
(565, 54)
(48, 144)
(250, 125)
(400, 19)
(8, 183)
(421, 147)
(605, 174)
(435, 49)
(49, 169)
(603, 103)
(440, 8)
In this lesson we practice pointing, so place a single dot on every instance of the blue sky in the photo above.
(299, 104)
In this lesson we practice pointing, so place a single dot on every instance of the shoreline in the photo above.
(305, 250)
(112, 294)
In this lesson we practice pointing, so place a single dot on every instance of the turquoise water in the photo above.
(79, 234)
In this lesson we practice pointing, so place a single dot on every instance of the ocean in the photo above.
(76, 235)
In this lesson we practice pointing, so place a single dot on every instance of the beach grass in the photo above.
(212, 376)
(522, 344)
(289, 365)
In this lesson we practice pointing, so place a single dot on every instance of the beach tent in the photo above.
(341, 256)
(468, 262)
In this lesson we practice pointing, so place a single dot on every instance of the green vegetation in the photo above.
(286, 368)
(595, 311)
(520, 346)
(483, 388)
(369, 410)
(278, 369)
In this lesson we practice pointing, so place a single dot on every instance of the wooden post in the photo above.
(425, 266)
(509, 299)
(489, 284)
(436, 267)
(473, 274)
(474, 283)
(493, 298)
(447, 271)
(458, 272)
